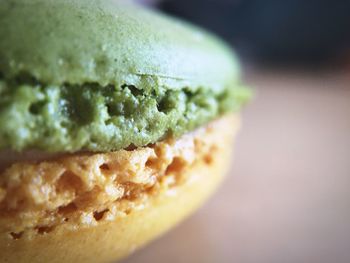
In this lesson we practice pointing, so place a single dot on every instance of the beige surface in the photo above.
(287, 198)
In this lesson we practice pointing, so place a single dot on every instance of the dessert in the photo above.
(116, 123)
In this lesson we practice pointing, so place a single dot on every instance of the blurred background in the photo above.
(287, 195)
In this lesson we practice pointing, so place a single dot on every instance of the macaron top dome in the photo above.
(108, 42)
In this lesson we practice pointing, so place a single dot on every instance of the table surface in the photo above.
(287, 197)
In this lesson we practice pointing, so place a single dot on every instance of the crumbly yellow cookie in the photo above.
(86, 206)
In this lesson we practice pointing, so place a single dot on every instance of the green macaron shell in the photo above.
(103, 75)
(108, 42)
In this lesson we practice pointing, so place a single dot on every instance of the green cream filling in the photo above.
(91, 117)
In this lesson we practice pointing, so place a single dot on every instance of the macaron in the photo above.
(116, 122)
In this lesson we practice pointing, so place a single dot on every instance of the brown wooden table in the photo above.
(287, 197)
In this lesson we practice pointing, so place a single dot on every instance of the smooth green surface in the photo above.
(108, 42)
(103, 75)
